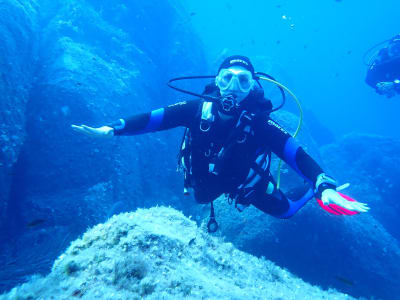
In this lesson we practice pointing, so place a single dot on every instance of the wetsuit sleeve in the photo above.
(175, 115)
(285, 147)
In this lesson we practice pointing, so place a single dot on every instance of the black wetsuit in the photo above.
(267, 135)
(384, 69)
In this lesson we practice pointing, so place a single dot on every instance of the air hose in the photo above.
(278, 176)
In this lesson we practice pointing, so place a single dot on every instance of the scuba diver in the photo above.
(384, 72)
(227, 146)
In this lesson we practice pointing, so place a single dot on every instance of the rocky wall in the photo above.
(18, 54)
(95, 61)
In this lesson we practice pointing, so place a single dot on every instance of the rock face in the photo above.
(158, 253)
(321, 249)
(98, 66)
(95, 61)
(372, 164)
(18, 56)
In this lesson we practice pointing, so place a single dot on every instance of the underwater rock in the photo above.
(159, 253)
(320, 247)
(95, 61)
(100, 62)
(371, 164)
(18, 53)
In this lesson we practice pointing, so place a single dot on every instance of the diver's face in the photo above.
(236, 81)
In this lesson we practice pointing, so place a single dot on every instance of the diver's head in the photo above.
(235, 77)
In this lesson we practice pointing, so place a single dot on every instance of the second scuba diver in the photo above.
(384, 72)
(227, 146)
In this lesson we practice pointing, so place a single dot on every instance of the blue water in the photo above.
(316, 47)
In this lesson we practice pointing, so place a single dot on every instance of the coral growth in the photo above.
(158, 253)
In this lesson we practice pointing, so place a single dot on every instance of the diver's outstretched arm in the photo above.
(325, 187)
(175, 115)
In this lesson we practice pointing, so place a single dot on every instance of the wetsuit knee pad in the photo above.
(279, 205)
(296, 204)
(273, 204)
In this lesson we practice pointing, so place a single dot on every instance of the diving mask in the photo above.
(235, 79)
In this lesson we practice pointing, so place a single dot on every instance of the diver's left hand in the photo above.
(331, 196)
(386, 88)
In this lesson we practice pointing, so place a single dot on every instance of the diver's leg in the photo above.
(277, 204)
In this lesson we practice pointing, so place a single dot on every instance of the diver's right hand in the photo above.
(101, 132)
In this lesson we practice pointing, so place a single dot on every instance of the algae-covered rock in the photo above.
(318, 247)
(18, 55)
(158, 253)
(83, 62)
